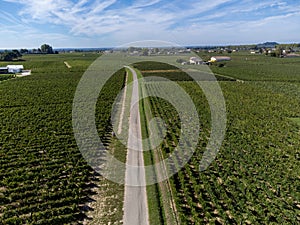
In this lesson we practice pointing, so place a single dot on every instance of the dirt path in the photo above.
(67, 65)
(135, 197)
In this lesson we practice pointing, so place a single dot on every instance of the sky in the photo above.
(111, 23)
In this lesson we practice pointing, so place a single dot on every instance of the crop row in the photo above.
(6, 77)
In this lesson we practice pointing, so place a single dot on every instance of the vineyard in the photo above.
(43, 177)
(255, 177)
(6, 77)
(169, 71)
(245, 66)
(253, 180)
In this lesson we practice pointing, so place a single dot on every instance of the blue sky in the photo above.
(110, 23)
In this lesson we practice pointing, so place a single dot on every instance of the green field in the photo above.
(253, 180)
(6, 77)
(255, 177)
(43, 177)
(245, 66)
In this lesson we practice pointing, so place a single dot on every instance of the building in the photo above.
(195, 61)
(219, 58)
(3, 70)
(15, 68)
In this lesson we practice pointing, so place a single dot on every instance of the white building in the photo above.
(15, 68)
(195, 61)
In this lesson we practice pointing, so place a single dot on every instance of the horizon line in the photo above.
(184, 46)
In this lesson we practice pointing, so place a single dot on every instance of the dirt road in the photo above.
(135, 197)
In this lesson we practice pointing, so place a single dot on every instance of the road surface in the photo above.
(135, 197)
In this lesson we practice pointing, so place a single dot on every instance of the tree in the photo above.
(46, 49)
(279, 51)
(16, 53)
(145, 51)
(267, 51)
(10, 55)
(24, 51)
(131, 49)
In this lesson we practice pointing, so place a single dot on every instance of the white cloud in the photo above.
(145, 3)
(89, 18)
(186, 22)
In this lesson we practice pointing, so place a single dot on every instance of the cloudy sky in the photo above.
(110, 23)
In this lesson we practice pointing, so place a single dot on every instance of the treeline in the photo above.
(44, 49)
(10, 55)
(266, 45)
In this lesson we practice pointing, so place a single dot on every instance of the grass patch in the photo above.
(153, 194)
(295, 120)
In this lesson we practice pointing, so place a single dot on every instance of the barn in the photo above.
(15, 68)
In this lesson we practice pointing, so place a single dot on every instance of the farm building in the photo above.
(3, 70)
(195, 60)
(15, 68)
(219, 58)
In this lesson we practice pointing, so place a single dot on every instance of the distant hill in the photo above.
(268, 45)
